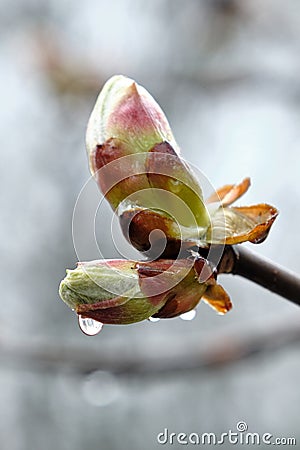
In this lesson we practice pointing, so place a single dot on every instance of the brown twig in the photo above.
(241, 261)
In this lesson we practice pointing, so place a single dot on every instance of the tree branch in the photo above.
(240, 261)
(218, 349)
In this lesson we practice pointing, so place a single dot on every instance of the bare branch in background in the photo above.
(217, 351)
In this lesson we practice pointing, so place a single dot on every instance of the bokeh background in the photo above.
(226, 72)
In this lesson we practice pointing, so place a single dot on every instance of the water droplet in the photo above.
(88, 326)
(176, 185)
(190, 315)
(154, 319)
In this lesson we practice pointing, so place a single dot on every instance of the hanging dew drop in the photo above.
(190, 315)
(88, 326)
(154, 319)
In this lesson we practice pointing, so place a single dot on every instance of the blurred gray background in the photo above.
(227, 75)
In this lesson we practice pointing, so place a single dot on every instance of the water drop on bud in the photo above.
(88, 326)
(190, 315)
(154, 319)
